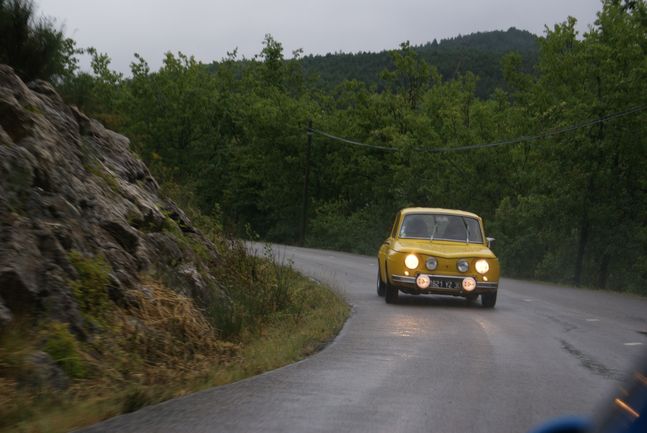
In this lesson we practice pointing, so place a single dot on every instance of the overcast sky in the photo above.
(208, 29)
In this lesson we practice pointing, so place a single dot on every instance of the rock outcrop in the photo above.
(69, 186)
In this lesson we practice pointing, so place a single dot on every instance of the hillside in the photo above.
(111, 298)
(480, 53)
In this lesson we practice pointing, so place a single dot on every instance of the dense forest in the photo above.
(479, 53)
(567, 202)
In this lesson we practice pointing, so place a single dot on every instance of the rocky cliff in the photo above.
(71, 190)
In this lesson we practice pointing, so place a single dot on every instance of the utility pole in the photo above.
(306, 174)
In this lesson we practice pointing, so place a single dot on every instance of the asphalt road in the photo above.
(428, 364)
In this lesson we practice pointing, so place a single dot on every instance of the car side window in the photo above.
(474, 230)
(395, 225)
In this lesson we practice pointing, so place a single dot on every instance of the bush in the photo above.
(90, 290)
(361, 231)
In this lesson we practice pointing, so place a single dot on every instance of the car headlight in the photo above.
(411, 261)
(423, 281)
(431, 263)
(469, 284)
(462, 265)
(482, 266)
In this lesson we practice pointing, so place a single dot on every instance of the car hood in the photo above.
(442, 248)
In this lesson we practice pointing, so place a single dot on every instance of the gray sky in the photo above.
(208, 29)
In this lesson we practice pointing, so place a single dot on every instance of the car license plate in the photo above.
(447, 284)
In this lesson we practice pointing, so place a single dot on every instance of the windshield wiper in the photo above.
(467, 231)
(434, 230)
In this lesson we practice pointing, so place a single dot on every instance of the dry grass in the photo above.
(162, 339)
(180, 332)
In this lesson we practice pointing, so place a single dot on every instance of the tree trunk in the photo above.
(581, 247)
(603, 276)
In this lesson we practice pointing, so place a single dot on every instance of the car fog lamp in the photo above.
(462, 265)
(423, 281)
(411, 261)
(482, 266)
(469, 284)
(431, 263)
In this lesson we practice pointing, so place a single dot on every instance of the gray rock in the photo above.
(18, 289)
(16, 175)
(5, 314)
(178, 215)
(69, 184)
(123, 234)
(44, 373)
(193, 278)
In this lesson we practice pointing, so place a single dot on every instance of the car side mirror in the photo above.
(490, 242)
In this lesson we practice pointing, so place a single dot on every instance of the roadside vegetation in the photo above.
(160, 344)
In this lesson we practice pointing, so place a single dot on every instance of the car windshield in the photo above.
(442, 227)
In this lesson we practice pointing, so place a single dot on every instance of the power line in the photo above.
(356, 143)
(521, 139)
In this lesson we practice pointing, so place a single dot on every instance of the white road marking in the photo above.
(592, 320)
(633, 343)
(528, 300)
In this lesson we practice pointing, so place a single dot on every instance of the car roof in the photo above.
(418, 210)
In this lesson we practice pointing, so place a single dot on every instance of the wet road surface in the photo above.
(428, 364)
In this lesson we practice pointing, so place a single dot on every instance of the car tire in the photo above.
(471, 297)
(392, 294)
(381, 287)
(488, 300)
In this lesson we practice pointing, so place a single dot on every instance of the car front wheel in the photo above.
(391, 295)
(381, 287)
(488, 300)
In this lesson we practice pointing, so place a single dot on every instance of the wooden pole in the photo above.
(306, 174)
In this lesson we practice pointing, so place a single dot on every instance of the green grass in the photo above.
(110, 180)
(289, 338)
(64, 350)
(33, 109)
(90, 289)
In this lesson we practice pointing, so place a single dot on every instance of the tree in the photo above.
(587, 186)
(34, 47)
(410, 74)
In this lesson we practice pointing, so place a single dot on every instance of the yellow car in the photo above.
(438, 251)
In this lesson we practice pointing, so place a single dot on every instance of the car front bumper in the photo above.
(442, 285)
